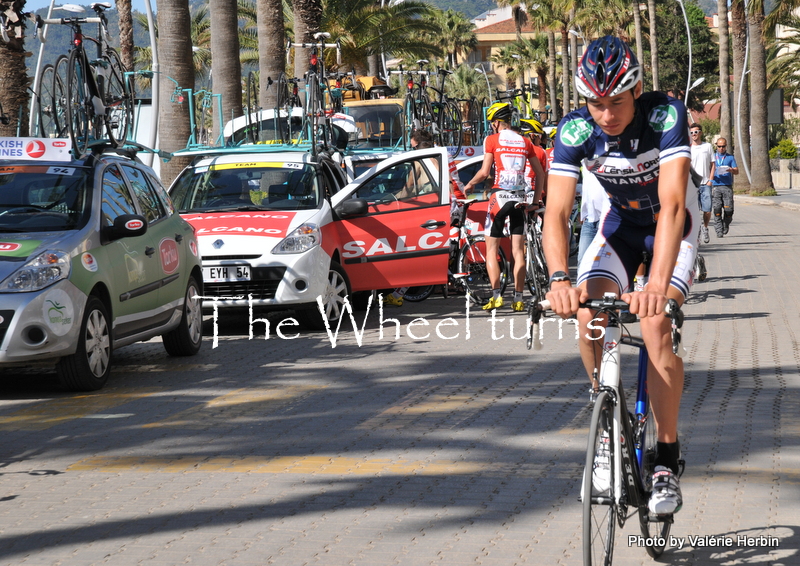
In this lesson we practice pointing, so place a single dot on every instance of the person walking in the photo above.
(702, 158)
(723, 168)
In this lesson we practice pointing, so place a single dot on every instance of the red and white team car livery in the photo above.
(280, 228)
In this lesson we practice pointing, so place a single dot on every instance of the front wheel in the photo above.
(473, 273)
(118, 100)
(599, 505)
(337, 289)
(88, 368)
(187, 338)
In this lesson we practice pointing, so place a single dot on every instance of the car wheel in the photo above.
(88, 368)
(336, 290)
(186, 339)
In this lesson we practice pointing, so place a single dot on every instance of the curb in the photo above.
(765, 201)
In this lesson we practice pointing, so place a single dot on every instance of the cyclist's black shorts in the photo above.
(496, 217)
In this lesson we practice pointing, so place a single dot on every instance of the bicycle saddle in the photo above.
(100, 6)
(74, 8)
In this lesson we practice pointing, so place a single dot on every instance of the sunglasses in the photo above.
(695, 132)
(722, 146)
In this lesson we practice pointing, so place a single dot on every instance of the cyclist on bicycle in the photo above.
(637, 145)
(509, 153)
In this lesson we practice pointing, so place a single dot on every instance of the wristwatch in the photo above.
(559, 276)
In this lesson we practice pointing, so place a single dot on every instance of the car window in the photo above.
(151, 206)
(117, 199)
(466, 173)
(161, 192)
(38, 198)
(271, 186)
(409, 181)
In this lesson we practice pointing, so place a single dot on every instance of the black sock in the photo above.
(667, 455)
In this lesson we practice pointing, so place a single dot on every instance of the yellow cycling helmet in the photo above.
(553, 133)
(531, 126)
(499, 111)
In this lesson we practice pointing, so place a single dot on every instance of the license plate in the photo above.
(220, 273)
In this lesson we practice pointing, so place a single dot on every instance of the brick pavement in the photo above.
(452, 452)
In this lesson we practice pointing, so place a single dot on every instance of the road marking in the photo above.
(48, 413)
(237, 406)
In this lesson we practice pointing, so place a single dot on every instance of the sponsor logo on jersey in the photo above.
(663, 118)
(575, 132)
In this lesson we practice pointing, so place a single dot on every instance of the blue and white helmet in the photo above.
(607, 68)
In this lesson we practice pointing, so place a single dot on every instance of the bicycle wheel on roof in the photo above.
(118, 100)
(81, 120)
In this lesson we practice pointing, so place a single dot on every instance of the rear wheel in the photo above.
(89, 367)
(45, 103)
(417, 294)
(599, 505)
(472, 267)
(187, 338)
(80, 115)
(117, 99)
(654, 528)
(60, 95)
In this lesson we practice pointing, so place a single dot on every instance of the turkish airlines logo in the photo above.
(469, 151)
(9, 246)
(35, 149)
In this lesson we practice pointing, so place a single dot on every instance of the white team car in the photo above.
(282, 228)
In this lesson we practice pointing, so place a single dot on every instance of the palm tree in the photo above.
(225, 47)
(14, 81)
(741, 103)
(125, 33)
(518, 13)
(200, 36)
(364, 28)
(637, 24)
(465, 82)
(724, 70)
(783, 67)
(759, 133)
(651, 14)
(175, 56)
(456, 35)
(542, 20)
(307, 22)
(248, 31)
(505, 56)
(533, 53)
(271, 46)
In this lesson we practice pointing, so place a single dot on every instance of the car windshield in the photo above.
(379, 125)
(42, 198)
(262, 186)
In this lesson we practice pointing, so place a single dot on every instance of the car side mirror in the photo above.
(125, 226)
(352, 207)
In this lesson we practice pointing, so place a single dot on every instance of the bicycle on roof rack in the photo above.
(317, 124)
(88, 96)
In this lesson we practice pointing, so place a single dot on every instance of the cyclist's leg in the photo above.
(492, 265)
(516, 215)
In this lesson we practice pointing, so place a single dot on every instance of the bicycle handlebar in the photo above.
(671, 310)
(41, 22)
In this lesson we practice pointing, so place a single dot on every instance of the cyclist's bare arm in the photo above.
(672, 179)
(564, 299)
(483, 172)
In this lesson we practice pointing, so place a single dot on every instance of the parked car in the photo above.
(93, 257)
(281, 228)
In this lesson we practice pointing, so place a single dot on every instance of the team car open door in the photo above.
(394, 223)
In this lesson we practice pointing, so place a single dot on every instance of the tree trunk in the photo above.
(637, 23)
(551, 75)
(573, 62)
(741, 105)
(14, 82)
(227, 81)
(125, 33)
(542, 76)
(175, 54)
(271, 47)
(759, 135)
(651, 13)
(374, 64)
(565, 67)
(307, 17)
(724, 72)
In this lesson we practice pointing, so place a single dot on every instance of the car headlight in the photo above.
(40, 272)
(302, 238)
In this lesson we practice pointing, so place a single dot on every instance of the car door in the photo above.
(137, 270)
(169, 240)
(402, 239)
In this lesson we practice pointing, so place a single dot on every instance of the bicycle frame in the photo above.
(628, 465)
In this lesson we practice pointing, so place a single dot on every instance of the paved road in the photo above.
(403, 451)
